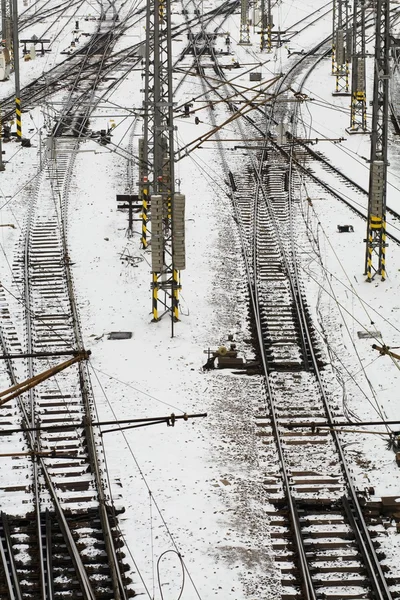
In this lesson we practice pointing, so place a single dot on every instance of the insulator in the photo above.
(377, 187)
(157, 237)
(339, 51)
(360, 74)
(178, 228)
(349, 44)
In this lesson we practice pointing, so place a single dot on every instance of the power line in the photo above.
(168, 419)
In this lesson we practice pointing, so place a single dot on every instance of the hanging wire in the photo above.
(183, 572)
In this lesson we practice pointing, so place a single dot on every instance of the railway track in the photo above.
(73, 521)
(61, 77)
(69, 533)
(316, 169)
(322, 543)
(323, 546)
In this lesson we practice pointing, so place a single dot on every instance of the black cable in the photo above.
(183, 572)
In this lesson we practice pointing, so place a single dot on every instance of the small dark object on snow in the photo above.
(345, 228)
(120, 335)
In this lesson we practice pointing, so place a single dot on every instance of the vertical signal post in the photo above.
(341, 47)
(16, 69)
(375, 253)
(167, 209)
(244, 38)
(358, 110)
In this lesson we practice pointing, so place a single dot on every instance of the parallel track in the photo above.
(71, 533)
(323, 546)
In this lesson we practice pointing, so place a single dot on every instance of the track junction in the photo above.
(323, 542)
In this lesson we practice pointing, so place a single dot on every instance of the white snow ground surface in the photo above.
(198, 487)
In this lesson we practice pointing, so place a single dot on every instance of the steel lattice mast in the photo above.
(6, 23)
(167, 208)
(265, 25)
(244, 23)
(334, 30)
(341, 46)
(375, 259)
(358, 111)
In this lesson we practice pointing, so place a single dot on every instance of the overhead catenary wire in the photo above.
(340, 307)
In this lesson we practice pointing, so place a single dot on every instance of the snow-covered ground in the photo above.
(197, 488)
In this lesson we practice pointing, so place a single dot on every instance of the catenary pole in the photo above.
(16, 69)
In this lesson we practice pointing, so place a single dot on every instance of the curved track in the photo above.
(322, 543)
(70, 533)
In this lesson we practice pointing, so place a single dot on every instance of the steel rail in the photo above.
(119, 589)
(49, 557)
(31, 416)
(34, 440)
(10, 571)
(79, 567)
(100, 44)
(58, 10)
(308, 172)
(226, 9)
(59, 76)
(310, 15)
(90, 102)
(251, 270)
(25, 421)
(116, 576)
(308, 588)
(376, 576)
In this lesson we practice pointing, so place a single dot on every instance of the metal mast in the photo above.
(341, 45)
(375, 258)
(358, 111)
(18, 110)
(167, 208)
(334, 30)
(6, 23)
(244, 23)
(265, 26)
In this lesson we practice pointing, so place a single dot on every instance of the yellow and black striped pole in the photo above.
(16, 69)
(369, 254)
(383, 251)
(376, 225)
(155, 297)
(353, 108)
(175, 295)
(145, 206)
(18, 118)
